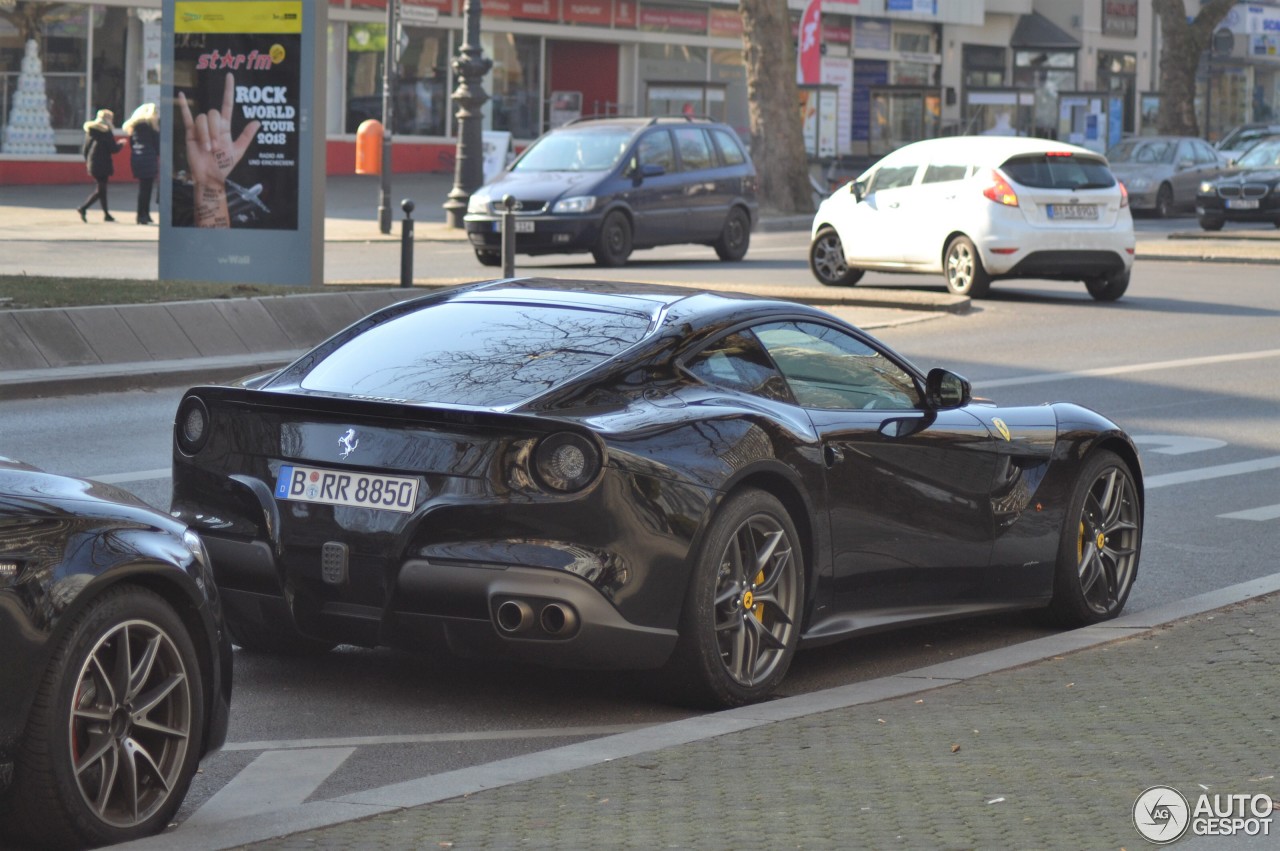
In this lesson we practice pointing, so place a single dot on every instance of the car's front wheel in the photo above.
(827, 262)
(1209, 223)
(1107, 288)
(1100, 543)
(964, 270)
(114, 735)
(614, 245)
(736, 236)
(741, 618)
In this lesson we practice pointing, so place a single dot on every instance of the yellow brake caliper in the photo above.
(758, 608)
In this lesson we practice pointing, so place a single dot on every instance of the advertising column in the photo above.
(243, 200)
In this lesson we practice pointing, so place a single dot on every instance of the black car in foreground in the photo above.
(611, 475)
(1250, 192)
(612, 185)
(117, 671)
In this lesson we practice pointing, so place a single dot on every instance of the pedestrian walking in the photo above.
(99, 146)
(143, 129)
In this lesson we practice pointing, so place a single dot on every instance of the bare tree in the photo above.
(26, 18)
(777, 140)
(1183, 42)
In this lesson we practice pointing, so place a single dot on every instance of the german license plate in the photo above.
(346, 487)
(1073, 211)
(1242, 203)
(524, 226)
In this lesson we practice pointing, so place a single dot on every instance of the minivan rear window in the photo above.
(1058, 171)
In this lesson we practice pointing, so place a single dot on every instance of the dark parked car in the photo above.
(1250, 192)
(610, 475)
(612, 185)
(117, 671)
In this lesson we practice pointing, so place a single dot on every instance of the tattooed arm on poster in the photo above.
(211, 155)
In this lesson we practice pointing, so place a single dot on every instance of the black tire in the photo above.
(962, 266)
(254, 637)
(827, 261)
(1207, 223)
(1100, 545)
(738, 632)
(489, 258)
(614, 245)
(735, 238)
(123, 693)
(1107, 289)
(1164, 201)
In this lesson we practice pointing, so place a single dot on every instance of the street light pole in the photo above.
(388, 115)
(469, 66)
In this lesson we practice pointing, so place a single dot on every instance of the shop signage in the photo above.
(529, 10)
(725, 23)
(599, 12)
(1120, 17)
(673, 19)
(624, 14)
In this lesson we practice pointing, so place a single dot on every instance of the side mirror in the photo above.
(650, 170)
(945, 389)
(857, 189)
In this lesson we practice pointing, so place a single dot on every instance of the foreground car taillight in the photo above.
(1124, 194)
(191, 429)
(566, 461)
(1000, 191)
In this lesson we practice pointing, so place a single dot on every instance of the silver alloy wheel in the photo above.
(1106, 551)
(130, 724)
(756, 599)
(827, 258)
(960, 266)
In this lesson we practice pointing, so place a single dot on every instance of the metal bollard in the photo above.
(406, 245)
(508, 236)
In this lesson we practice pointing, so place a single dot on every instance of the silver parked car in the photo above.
(1162, 173)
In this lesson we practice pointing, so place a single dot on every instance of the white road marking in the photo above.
(135, 476)
(431, 738)
(276, 780)
(1177, 444)
(1266, 512)
(1047, 377)
(1203, 473)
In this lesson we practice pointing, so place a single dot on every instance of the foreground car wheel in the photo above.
(735, 238)
(253, 637)
(1211, 224)
(114, 734)
(964, 270)
(489, 258)
(1107, 289)
(826, 260)
(614, 245)
(1101, 539)
(741, 618)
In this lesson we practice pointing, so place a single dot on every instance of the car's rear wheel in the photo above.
(1164, 201)
(827, 262)
(964, 270)
(113, 738)
(614, 245)
(285, 641)
(1107, 288)
(489, 258)
(741, 618)
(1208, 223)
(1099, 548)
(736, 236)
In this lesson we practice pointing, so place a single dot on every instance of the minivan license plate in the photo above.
(346, 487)
(1073, 211)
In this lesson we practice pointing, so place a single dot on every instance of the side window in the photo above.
(695, 148)
(655, 149)
(1186, 153)
(827, 368)
(730, 150)
(1205, 154)
(892, 177)
(940, 173)
(739, 363)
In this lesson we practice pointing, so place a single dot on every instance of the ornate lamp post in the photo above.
(469, 66)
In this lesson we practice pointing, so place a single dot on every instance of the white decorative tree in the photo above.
(29, 130)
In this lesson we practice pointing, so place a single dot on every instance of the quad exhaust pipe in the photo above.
(552, 620)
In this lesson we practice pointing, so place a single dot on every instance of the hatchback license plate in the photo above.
(1073, 211)
(1242, 203)
(344, 487)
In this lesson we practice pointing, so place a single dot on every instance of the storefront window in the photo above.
(62, 32)
(983, 66)
(514, 85)
(421, 85)
(728, 70)
(1047, 73)
(1117, 72)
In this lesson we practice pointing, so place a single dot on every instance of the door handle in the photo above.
(832, 455)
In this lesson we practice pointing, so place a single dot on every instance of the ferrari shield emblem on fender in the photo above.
(1001, 427)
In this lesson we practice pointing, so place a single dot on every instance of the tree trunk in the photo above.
(1183, 43)
(777, 140)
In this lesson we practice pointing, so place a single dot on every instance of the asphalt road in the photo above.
(1186, 361)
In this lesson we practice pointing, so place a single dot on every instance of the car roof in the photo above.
(986, 149)
(636, 122)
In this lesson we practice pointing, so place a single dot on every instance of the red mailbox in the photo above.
(369, 147)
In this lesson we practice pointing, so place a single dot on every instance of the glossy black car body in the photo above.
(612, 185)
(1250, 192)
(634, 476)
(116, 664)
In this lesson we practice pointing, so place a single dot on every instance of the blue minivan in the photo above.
(611, 185)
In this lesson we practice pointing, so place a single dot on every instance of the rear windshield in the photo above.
(576, 150)
(484, 355)
(1070, 171)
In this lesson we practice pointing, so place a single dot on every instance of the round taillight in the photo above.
(566, 461)
(192, 426)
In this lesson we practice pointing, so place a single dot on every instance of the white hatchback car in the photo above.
(980, 208)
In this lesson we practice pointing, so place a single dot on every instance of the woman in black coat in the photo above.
(143, 129)
(99, 146)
